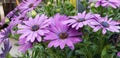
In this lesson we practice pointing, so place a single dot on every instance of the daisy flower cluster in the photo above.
(60, 30)
(17, 16)
(108, 3)
(95, 21)
(42, 28)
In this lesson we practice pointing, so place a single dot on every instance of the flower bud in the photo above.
(33, 13)
(48, 3)
(92, 4)
(57, 10)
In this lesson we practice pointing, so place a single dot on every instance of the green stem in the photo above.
(101, 11)
(107, 11)
(62, 4)
(88, 53)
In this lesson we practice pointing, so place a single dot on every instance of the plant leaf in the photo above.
(80, 6)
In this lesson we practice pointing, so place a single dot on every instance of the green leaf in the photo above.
(104, 51)
(80, 6)
(69, 54)
(8, 56)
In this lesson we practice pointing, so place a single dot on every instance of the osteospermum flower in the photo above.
(118, 54)
(20, 18)
(78, 21)
(23, 45)
(13, 13)
(34, 28)
(28, 5)
(60, 34)
(5, 32)
(12, 24)
(108, 3)
(105, 24)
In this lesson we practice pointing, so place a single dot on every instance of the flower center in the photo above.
(35, 28)
(81, 20)
(22, 18)
(63, 35)
(105, 24)
(31, 5)
(17, 12)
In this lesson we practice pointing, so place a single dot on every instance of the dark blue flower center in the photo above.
(63, 35)
(105, 24)
(35, 28)
(17, 12)
(31, 5)
(81, 20)
(22, 18)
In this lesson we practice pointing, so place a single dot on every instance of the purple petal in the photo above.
(75, 40)
(51, 36)
(70, 44)
(62, 44)
(96, 28)
(104, 31)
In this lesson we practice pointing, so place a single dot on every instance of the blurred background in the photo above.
(8, 5)
(5, 7)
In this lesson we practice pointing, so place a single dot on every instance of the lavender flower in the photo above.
(78, 21)
(6, 48)
(60, 34)
(108, 3)
(28, 5)
(105, 24)
(34, 28)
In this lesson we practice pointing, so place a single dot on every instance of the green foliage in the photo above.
(51, 9)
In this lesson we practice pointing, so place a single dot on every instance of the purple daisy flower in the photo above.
(5, 33)
(12, 24)
(28, 5)
(13, 13)
(107, 3)
(24, 46)
(78, 21)
(20, 18)
(33, 29)
(105, 24)
(118, 54)
(94, 18)
(60, 34)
